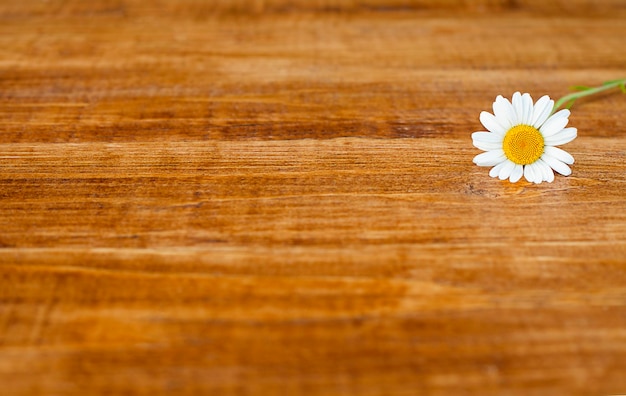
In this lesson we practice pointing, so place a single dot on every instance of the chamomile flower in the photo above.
(521, 139)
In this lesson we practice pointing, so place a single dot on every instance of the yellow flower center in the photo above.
(523, 144)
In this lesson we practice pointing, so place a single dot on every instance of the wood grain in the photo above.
(277, 197)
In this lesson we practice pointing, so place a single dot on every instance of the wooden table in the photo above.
(278, 198)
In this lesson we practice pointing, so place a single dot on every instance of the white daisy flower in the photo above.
(522, 138)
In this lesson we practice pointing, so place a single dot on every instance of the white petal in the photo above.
(556, 164)
(559, 154)
(537, 172)
(528, 173)
(490, 158)
(495, 171)
(517, 173)
(518, 107)
(506, 170)
(555, 123)
(484, 146)
(527, 104)
(487, 141)
(548, 174)
(564, 136)
(504, 112)
(490, 122)
(542, 111)
(487, 146)
(487, 137)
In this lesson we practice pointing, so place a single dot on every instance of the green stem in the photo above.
(586, 91)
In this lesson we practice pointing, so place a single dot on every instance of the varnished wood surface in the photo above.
(277, 197)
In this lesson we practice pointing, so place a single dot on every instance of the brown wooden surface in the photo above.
(278, 197)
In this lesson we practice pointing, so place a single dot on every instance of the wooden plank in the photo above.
(278, 197)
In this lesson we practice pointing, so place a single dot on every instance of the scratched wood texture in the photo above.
(278, 198)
